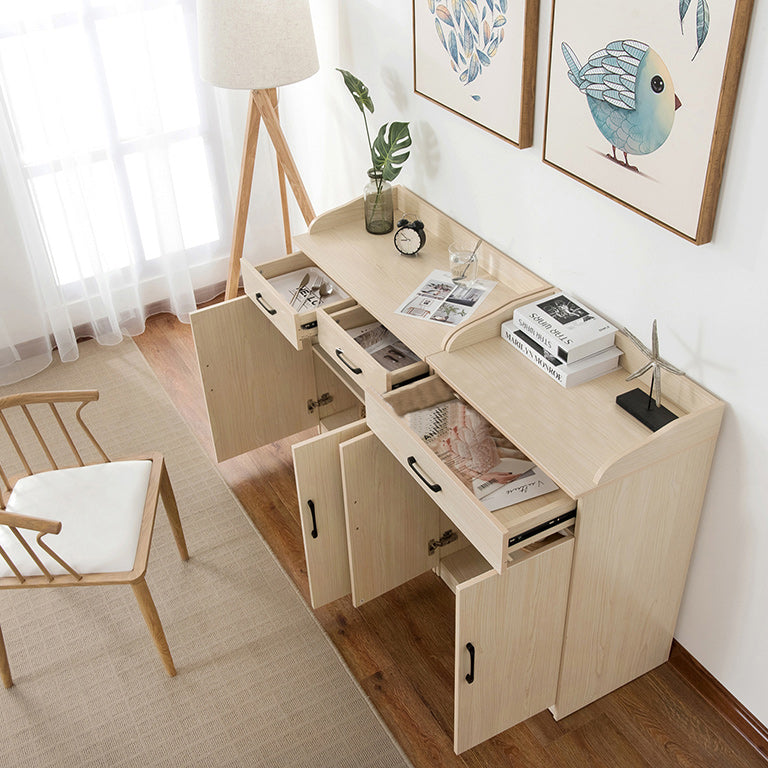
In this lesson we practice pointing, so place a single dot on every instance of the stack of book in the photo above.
(568, 341)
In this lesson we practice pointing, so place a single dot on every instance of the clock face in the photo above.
(407, 240)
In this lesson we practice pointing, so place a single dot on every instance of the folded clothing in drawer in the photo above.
(480, 456)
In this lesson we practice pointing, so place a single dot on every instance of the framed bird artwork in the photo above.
(640, 99)
(477, 58)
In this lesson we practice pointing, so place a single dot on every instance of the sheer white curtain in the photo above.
(116, 203)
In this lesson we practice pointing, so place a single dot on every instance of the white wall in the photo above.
(709, 300)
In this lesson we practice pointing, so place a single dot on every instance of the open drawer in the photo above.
(289, 291)
(366, 351)
(495, 534)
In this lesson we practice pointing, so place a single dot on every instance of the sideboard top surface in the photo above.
(578, 435)
(381, 279)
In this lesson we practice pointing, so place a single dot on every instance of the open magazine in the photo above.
(481, 457)
(383, 346)
(439, 300)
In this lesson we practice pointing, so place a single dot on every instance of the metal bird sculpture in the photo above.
(630, 94)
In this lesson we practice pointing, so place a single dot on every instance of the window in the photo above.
(115, 133)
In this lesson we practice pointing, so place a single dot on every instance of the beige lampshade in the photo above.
(255, 44)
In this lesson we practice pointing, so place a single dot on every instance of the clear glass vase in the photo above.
(379, 209)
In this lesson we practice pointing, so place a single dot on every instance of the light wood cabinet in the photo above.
(559, 599)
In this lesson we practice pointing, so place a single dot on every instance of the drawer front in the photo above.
(275, 288)
(352, 358)
(445, 489)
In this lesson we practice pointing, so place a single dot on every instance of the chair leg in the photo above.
(5, 667)
(172, 510)
(148, 610)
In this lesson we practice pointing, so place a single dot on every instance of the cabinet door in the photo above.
(390, 520)
(317, 466)
(509, 634)
(256, 384)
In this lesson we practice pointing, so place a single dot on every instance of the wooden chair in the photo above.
(101, 512)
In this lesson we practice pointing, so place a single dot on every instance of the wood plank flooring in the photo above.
(400, 646)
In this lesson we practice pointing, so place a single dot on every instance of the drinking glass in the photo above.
(463, 263)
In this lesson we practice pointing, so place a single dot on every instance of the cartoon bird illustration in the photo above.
(630, 94)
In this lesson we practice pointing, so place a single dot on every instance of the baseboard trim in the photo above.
(721, 700)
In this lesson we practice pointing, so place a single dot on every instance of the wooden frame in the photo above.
(498, 57)
(676, 182)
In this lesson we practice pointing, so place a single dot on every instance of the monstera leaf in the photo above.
(388, 152)
(358, 90)
(388, 149)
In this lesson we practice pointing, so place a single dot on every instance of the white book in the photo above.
(565, 327)
(565, 374)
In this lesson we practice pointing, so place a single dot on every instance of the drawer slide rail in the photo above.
(531, 532)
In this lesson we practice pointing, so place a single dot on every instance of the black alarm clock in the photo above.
(410, 237)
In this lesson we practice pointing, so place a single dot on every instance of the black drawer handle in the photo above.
(470, 678)
(434, 487)
(311, 505)
(340, 355)
(266, 307)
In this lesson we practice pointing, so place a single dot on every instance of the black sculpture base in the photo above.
(638, 404)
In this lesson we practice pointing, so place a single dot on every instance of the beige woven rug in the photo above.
(258, 684)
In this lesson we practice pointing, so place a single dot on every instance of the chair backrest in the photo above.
(45, 430)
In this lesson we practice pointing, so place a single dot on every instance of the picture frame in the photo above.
(477, 59)
(610, 125)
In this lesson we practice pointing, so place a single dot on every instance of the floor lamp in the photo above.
(258, 45)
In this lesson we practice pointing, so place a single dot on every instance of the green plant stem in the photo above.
(379, 181)
(377, 199)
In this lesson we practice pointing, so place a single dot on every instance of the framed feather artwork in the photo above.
(477, 58)
(640, 99)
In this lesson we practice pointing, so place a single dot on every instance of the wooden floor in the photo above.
(400, 646)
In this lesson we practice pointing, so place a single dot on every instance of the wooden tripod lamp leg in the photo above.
(263, 106)
(284, 157)
(243, 198)
(283, 195)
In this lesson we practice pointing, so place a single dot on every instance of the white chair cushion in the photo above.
(100, 508)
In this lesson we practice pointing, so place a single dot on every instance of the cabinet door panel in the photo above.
(317, 466)
(390, 520)
(256, 384)
(509, 630)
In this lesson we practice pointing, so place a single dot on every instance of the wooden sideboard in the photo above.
(560, 599)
